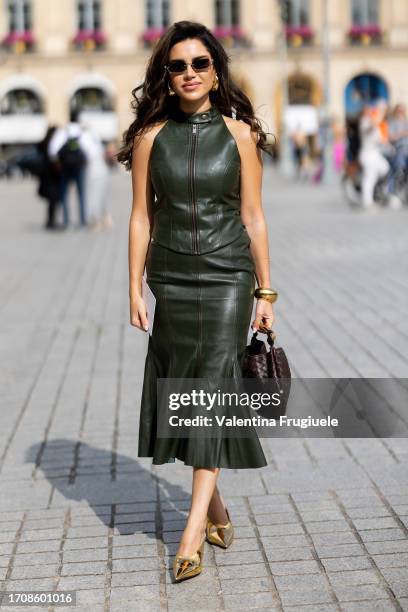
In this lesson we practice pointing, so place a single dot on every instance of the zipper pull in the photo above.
(194, 128)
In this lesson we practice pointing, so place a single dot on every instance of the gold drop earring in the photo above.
(171, 91)
(215, 84)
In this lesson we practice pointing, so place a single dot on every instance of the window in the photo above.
(19, 15)
(91, 99)
(297, 12)
(227, 13)
(364, 12)
(157, 13)
(21, 102)
(89, 15)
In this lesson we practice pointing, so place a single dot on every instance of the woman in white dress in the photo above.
(97, 181)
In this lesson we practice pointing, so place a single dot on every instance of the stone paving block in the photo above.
(122, 579)
(255, 570)
(38, 546)
(353, 577)
(85, 543)
(360, 592)
(87, 554)
(383, 605)
(34, 571)
(313, 608)
(72, 583)
(403, 602)
(288, 554)
(397, 546)
(245, 585)
(375, 523)
(135, 593)
(131, 565)
(283, 541)
(326, 526)
(339, 564)
(397, 578)
(286, 529)
(87, 596)
(251, 601)
(239, 558)
(334, 538)
(126, 552)
(391, 560)
(294, 567)
(202, 604)
(368, 513)
(300, 582)
(300, 598)
(382, 535)
(82, 569)
(342, 550)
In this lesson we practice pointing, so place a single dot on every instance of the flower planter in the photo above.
(151, 35)
(19, 42)
(365, 35)
(89, 40)
(299, 36)
(231, 36)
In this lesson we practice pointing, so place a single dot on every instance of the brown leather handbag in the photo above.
(270, 368)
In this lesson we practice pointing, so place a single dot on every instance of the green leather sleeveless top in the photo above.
(195, 173)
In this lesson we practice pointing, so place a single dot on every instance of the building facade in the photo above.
(90, 54)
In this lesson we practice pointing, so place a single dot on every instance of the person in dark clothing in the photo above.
(49, 180)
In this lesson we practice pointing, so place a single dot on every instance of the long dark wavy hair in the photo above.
(151, 102)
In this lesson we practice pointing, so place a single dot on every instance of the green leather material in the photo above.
(203, 301)
(196, 149)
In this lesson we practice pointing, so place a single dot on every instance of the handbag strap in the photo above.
(271, 335)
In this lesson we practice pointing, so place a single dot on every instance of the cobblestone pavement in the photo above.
(323, 527)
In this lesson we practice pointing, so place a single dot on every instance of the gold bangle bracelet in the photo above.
(263, 293)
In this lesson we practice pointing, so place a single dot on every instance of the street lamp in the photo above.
(285, 155)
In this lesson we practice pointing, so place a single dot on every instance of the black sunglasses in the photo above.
(198, 64)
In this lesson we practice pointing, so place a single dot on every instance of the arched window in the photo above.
(21, 102)
(92, 99)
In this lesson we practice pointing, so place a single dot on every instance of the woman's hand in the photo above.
(138, 313)
(264, 311)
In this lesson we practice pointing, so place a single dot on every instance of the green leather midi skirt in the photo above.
(202, 317)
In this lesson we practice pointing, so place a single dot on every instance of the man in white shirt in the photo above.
(70, 148)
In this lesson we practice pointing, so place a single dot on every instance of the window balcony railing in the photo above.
(150, 36)
(89, 40)
(231, 36)
(299, 36)
(19, 42)
(365, 35)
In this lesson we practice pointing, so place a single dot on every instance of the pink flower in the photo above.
(358, 30)
(222, 31)
(152, 34)
(304, 31)
(14, 37)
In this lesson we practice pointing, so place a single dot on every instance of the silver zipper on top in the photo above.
(193, 152)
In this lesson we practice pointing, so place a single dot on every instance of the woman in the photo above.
(203, 240)
(374, 164)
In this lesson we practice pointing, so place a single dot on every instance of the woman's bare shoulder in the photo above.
(145, 140)
(241, 131)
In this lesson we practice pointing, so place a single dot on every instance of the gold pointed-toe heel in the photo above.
(220, 535)
(187, 567)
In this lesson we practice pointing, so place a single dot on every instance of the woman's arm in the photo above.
(140, 225)
(252, 213)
